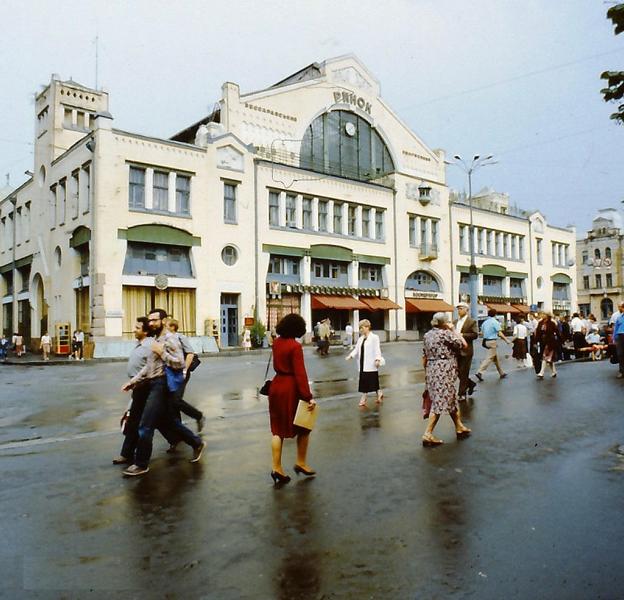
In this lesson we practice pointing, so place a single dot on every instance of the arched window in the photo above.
(597, 253)
(606, 308)
(422, 281)
(607, 252)
(342, 143)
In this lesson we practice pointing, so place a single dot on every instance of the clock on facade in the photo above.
(350, 128)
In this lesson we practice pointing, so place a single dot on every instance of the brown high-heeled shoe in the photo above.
(428, 441)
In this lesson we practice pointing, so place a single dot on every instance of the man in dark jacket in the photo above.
(468, 329)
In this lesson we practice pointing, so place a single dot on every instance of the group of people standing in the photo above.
(17, 344)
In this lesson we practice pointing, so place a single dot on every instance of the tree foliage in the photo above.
(615, 79)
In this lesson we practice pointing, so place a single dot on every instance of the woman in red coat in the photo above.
(549, 340)
(289, 385)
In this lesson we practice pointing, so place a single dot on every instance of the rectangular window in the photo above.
(555, 255)
(585, 282)
(584, 257)
(539, 248)
(337, 217)
(521, 248)
(480, 241)
(365, 222)
(598, 281)
(609, 278)
(229, 203)
(307, 213)
(379, 225)
(322, 215)
(513, 247)
(370, 273)
(274, 209)
(352, 219)
(275, 265)
(62, 200)
(291, 210)
(462, 238)
(293, 266)
(161, 190)
(74, 195)
(87, 175)
(137, 188)
(183, 195)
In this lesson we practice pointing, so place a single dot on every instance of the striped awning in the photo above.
(523, 308)
(504, 308)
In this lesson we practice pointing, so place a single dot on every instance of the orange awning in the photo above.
(504, 308)
(337, 302)
(414, 305)
(380, 304)
(523, 308)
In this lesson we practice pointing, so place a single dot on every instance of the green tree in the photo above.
(615, 79)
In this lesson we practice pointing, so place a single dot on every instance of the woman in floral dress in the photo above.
(440, 351)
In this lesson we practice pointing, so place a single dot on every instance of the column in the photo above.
(345, 218)
(428, 235)
(306, 270)
(358, 221)
(149, 187)
(479, 284)
(315, 214)
(330, 216)
(475, 239)
(562, 260)
(508, 244)
(354, 274)
(171, 193)
(282, 209)
(306, 311)
(299, 212)
(373, 228)
(506, 284)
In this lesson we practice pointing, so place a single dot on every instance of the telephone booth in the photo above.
(62, 338)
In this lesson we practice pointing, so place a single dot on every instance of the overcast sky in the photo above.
(517, 79)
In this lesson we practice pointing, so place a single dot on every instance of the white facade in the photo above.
(310, 195)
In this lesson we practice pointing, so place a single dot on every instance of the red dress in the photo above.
(289, 385)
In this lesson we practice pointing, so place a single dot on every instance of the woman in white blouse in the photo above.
(368, 352)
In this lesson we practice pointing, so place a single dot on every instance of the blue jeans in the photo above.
(619, 345)
(158, 410)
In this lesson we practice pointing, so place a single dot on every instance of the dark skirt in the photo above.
(369, 382)
(519, 349)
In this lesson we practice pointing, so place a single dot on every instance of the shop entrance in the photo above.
(229, 320)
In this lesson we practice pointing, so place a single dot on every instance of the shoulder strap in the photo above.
(268, 364)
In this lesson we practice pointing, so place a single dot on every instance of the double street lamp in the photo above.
(469, 168)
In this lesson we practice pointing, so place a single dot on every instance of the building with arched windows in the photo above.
(310, 195)
(599, 259)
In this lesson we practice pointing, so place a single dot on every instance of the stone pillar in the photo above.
(282, 209)
(299, 212)
(149, 188)
(345, 218)
(315, 214)
(330, 216)
(171, 192)
(358, 221)
(506, 287)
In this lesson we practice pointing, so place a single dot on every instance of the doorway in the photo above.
(229, 320)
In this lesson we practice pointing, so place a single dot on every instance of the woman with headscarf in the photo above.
(549, 340)
(441, 347)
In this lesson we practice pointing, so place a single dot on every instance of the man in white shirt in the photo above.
(46, 345)
(577, 327)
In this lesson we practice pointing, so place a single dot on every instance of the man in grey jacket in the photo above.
(467, 327)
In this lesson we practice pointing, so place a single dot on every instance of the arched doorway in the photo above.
(606, 308)
(40, 321)
(422, 300)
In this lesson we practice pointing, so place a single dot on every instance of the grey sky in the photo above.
(440, 64)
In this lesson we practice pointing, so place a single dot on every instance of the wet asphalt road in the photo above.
(529, 507)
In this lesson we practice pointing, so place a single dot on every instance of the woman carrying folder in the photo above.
(289, 385)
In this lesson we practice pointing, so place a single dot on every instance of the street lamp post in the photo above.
(476, 163)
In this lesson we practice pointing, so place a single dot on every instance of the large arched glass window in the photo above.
(422, 281)
(342, 143)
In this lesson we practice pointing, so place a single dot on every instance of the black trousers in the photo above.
(131, 431)
(579, 342)
(181, 406)
(463, 367)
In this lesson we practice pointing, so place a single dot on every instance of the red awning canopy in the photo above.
(504, 308)
(380, 304)
(337, 302)
(523, 308)
(415, 305)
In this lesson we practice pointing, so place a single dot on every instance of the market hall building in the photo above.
(309, 196)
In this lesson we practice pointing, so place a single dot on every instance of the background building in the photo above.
(599, 260)
(310, 195)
